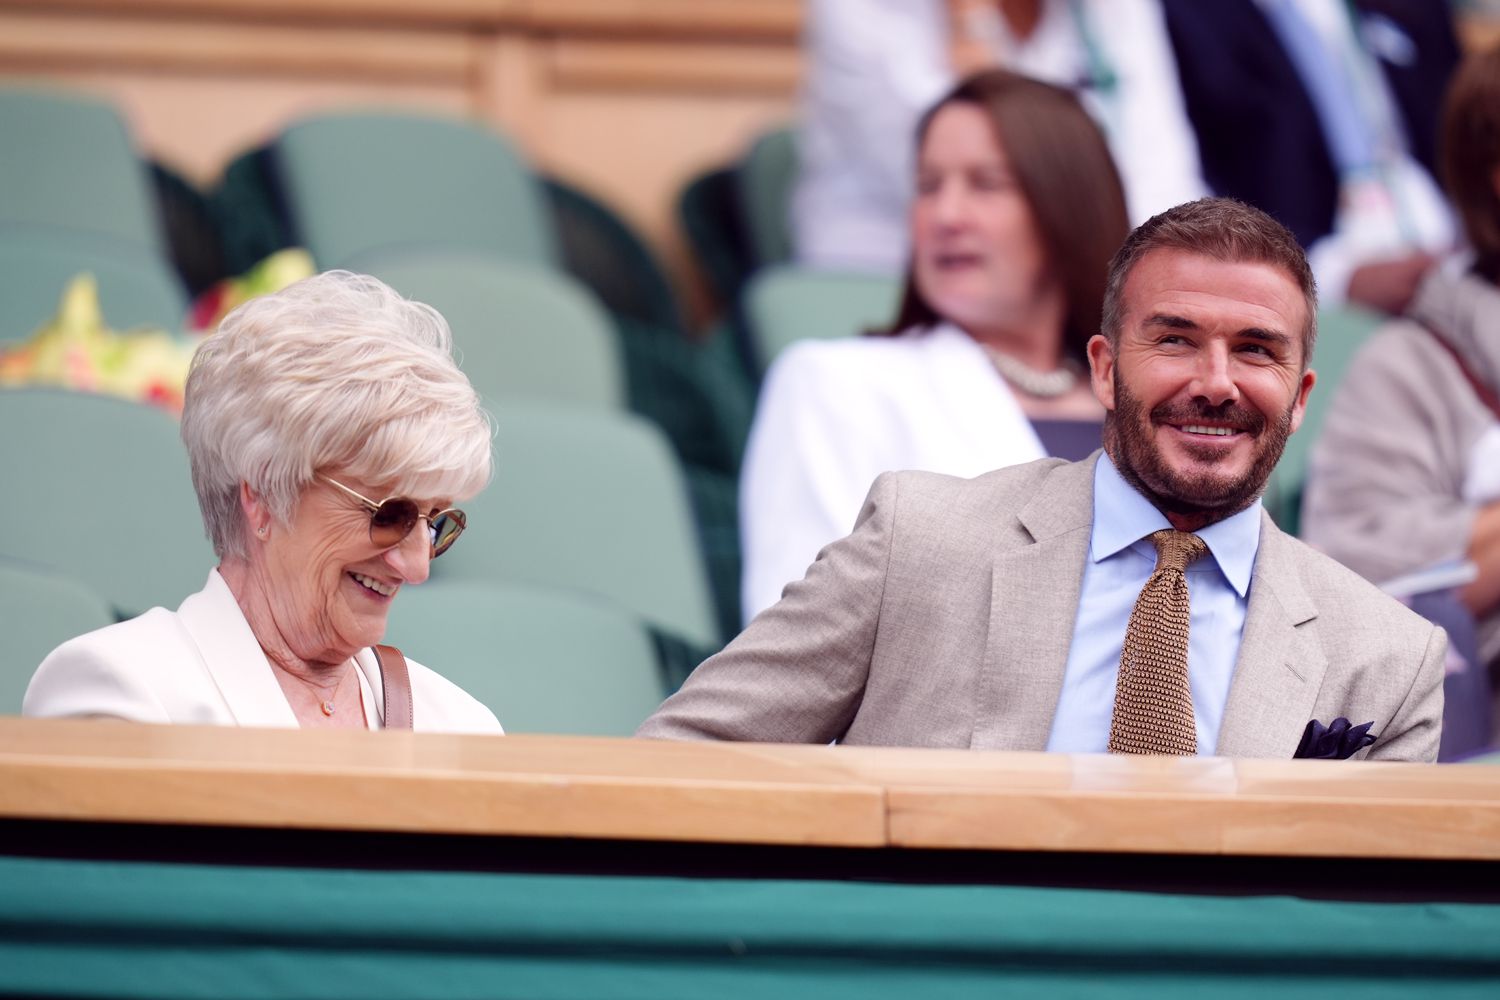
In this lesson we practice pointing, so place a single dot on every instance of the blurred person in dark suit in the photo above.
(1324, 113)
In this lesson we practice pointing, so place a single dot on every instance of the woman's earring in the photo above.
(261, 531)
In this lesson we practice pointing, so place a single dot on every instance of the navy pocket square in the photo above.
(1336, 741)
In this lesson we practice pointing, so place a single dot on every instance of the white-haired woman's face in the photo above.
(329, 585)
(977, 254)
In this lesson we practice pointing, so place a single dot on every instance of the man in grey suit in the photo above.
(991, 612)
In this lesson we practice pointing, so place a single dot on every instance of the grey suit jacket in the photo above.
(944, 620)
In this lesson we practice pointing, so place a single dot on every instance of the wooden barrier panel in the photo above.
(179, 862)
(537, 786)
(403, 782)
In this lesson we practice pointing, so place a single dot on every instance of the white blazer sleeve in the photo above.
(873, 67)
(808, 466)
(87, 677)
(883, 62)
(1148, 129)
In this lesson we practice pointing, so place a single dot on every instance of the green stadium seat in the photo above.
(520, 331)
(1341, 333)
(543, 661)
(786, 304)
(764, 179)
(66, 161)
(708, 211)
(136, 288)
(359, 182)
(589, 502)
(39, 611)
(600, 249)
(98, 489)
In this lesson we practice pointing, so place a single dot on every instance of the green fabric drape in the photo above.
(167, 930)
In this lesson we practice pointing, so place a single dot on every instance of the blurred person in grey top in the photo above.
(1406, 473)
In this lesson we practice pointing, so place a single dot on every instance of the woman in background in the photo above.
(1017, 211)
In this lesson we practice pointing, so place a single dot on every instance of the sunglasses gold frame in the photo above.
(455, 515)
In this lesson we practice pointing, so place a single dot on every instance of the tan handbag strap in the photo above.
(395, 681)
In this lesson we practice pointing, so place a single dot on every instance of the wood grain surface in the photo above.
(548, 786)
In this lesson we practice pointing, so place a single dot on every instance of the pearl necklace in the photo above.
(1043, 385)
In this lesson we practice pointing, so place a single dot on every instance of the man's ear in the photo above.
(1102, 369)
(1299, 405)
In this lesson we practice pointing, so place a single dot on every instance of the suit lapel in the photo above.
(1280, 670)
(1033, 604)
(233, 658)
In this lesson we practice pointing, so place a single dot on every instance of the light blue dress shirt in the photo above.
(1121, 558)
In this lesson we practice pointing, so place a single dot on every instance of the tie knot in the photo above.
(1176, 549)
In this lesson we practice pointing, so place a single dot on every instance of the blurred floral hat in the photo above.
(76, 350)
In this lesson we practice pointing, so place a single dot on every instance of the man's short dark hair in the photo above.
(1221, 228)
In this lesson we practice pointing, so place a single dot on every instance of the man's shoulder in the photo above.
(1009, 487)
(1345, 598)
(952, 517)
(1401, 350)
(1373, 659)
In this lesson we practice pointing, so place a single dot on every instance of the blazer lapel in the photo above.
(980, 405)
(1033, 604)
(233, 658)
(1279, 671)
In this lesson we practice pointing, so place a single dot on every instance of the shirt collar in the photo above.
(1123, 517)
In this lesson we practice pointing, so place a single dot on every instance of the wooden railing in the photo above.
(541, 786)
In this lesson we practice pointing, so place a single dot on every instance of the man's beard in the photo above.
(1205, 495)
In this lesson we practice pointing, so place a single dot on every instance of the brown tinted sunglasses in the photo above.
(392, 519)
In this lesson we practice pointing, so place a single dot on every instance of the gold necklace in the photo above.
(327, 704)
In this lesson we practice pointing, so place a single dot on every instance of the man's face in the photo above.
(1206, 382)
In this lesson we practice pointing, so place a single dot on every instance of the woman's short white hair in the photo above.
(334, 373)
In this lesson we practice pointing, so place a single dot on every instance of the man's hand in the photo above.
(1483, 595)
(1389, 285)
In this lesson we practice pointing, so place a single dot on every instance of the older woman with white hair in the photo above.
(330, 434)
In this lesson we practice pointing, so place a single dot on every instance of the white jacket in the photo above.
(834, 414)
(201, 665)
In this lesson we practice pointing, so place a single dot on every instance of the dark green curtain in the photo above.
(92, 929)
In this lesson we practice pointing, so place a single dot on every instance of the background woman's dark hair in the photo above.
(1471, 155)
(1064, 168)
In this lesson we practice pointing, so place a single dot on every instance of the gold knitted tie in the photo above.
(1153, 702)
